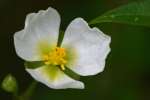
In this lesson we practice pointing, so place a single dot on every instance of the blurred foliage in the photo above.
(127, 72)
(9, 84)
(136, 13)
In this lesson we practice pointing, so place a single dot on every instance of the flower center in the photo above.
(56, 57)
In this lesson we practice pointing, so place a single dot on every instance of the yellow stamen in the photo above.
(62, 67)
(45, 57)
(56, 57)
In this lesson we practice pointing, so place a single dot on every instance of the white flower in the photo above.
(83, 49)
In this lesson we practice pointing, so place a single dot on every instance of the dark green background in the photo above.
(127, 72)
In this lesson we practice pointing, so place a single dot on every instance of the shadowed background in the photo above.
(127, 72)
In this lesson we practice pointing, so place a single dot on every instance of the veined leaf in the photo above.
(135, 13)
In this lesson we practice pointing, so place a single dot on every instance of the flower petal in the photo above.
(91, 46)
(54, 78)
(41, 26)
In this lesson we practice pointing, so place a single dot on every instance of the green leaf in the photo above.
(135, 13)
(9, 84)
(33, 64)
(71, 73)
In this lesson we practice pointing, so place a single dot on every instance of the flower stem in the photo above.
(29, 91)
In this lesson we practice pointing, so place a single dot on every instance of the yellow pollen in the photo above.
(56, 57)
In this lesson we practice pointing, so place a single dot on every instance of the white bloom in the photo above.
(83, 49)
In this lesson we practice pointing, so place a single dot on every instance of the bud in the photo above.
(9, 84)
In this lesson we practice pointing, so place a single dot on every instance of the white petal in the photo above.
(91, 46)
(54, 78)
(41, 26)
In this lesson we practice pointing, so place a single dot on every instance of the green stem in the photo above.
(29, 91)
